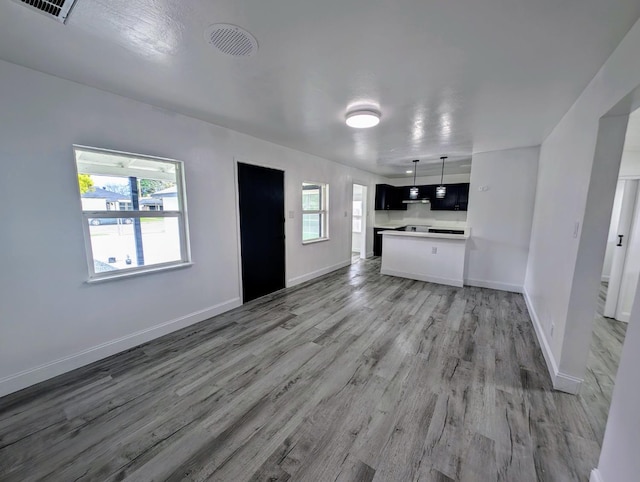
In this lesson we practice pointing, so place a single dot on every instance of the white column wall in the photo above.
(561, 292)
(501, 200)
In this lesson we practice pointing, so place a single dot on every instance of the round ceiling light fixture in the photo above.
(363, 118)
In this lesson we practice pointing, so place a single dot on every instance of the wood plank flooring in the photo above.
(602, 366)
(354, 377)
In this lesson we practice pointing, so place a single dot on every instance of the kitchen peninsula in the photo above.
(437, 257)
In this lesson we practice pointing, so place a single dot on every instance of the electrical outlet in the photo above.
(434, 250)
(290, 214)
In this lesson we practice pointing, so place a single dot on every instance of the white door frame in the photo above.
(627, 215)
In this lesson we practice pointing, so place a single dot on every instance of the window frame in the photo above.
(323, 212)
(355, 216)
(180, 214)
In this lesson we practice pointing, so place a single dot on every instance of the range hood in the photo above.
(413, 191)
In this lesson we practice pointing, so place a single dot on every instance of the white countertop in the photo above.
(413, 234)
(390, 225)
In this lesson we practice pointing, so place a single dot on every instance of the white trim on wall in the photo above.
(495, 285)
(421, 277)
(24, 379)
(561, 381)
(314, 274)
(595, 476)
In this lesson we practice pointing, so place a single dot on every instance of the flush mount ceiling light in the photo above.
(441, 190)
(363, 119)
(409, 172)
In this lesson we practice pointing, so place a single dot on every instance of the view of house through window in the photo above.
(314, 211)
(133, 210)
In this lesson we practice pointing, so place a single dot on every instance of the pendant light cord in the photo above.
(442, 173)
(415, 168)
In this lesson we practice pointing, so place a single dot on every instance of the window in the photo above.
(134, 212)
(314, 211)
(357, 217)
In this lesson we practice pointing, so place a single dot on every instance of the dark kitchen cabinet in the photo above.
(424, 192)
(377, 239)
(456, 198)
(389, 198)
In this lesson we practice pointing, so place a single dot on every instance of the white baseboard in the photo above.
(370, 254)
(421, 277)
(624, 316)
(561, 381)
(605, 279)
(596, 476)
(26, 378)
(496, 285)
(314, 274)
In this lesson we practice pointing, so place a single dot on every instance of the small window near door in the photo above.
(133, 210)
(315, 202)
(357, 217)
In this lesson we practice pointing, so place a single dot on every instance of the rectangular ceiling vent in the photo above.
(58, 9)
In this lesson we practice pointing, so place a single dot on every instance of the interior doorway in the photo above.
(618, 285)
(262, 235)
(359, 223)
(622, 258)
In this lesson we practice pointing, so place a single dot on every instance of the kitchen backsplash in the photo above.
(420, 214)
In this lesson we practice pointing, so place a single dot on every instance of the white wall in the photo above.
(355, 242)
(563, 271)
(427, 180)
(630, 164)
(51, 320)
(500, 217)
(422, 214)
(619, 461)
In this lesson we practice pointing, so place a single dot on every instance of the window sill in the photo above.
(130, 274)
(313, 241)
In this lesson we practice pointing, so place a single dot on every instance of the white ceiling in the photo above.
(450, 77)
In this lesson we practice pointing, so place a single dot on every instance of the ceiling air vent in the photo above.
(58, 9)
(231, 40)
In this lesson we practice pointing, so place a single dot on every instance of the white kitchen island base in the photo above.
(437, 258)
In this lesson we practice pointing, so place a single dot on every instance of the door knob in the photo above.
(620, 236)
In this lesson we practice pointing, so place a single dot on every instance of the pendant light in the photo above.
(413, 191)
(441, 190)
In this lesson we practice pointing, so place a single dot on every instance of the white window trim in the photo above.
(324, 212)
(181, 214)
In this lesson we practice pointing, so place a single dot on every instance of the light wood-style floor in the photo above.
(602, 366)
(355, 377)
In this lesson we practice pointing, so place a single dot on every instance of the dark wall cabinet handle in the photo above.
(620, 236)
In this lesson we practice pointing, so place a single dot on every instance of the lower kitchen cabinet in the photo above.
(377, 239)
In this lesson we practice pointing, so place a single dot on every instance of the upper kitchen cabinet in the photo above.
(456, 198)
(389, 198)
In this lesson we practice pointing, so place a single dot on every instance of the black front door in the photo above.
(261, 193)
